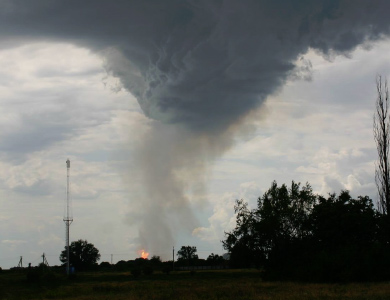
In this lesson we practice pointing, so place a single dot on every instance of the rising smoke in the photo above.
(198, 69)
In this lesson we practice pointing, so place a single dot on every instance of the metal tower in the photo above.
(68, 218)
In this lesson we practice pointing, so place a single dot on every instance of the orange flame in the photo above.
(144, 254)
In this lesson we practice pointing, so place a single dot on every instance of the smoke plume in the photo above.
(198, 69)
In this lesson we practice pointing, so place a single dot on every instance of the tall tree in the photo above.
(281, 219)
(382, 139)
(296, 234)
(243, 244)
(82, 255)
(187, 253)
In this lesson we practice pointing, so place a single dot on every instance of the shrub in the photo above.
(33, 276)
(166, 270)
(148, 270)
(50, 277)
(136, 272)
(105, 265)
(121, 266)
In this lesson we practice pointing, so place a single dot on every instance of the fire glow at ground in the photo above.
(144, 254)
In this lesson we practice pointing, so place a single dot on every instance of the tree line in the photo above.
(84, 256)
(296, 235)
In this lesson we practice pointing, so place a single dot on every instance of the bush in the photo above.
(136, 272)
(33, 276)
(105, 265)
(148, 270)
(121, 266)
(167, 270)
(50, 277)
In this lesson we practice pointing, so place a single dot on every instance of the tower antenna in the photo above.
(68, 218)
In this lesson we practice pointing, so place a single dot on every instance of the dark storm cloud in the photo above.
(203, 64)
(37, 135)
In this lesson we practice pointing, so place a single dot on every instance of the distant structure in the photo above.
(44, 260)
(20, 264)
(68, 218)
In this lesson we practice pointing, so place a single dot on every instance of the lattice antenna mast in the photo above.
(68, 218)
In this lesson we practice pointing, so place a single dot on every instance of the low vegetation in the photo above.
(217, 284)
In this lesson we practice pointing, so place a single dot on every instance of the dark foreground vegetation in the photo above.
(221, 284)
(294, 234)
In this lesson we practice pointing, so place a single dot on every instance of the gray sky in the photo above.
(169, 111)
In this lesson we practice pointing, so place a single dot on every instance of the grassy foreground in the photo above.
(222, 284)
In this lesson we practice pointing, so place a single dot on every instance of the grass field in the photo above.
(222, 284)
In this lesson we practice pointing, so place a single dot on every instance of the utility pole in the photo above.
(173, 258)
(44, 260)
(111, 258)
(68, 219)
(20, 264)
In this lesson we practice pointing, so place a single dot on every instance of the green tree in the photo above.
(187, 254)
(345, 242)
(342, 220)
(242, 243)
(295, 234)
(214, 259)
(156, 261)
(83, 255)
(280, 219)
(382, 140)
(105, 265)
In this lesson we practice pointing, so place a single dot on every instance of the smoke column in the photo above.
(197, 69)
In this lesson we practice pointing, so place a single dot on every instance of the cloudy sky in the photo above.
(171, 110)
